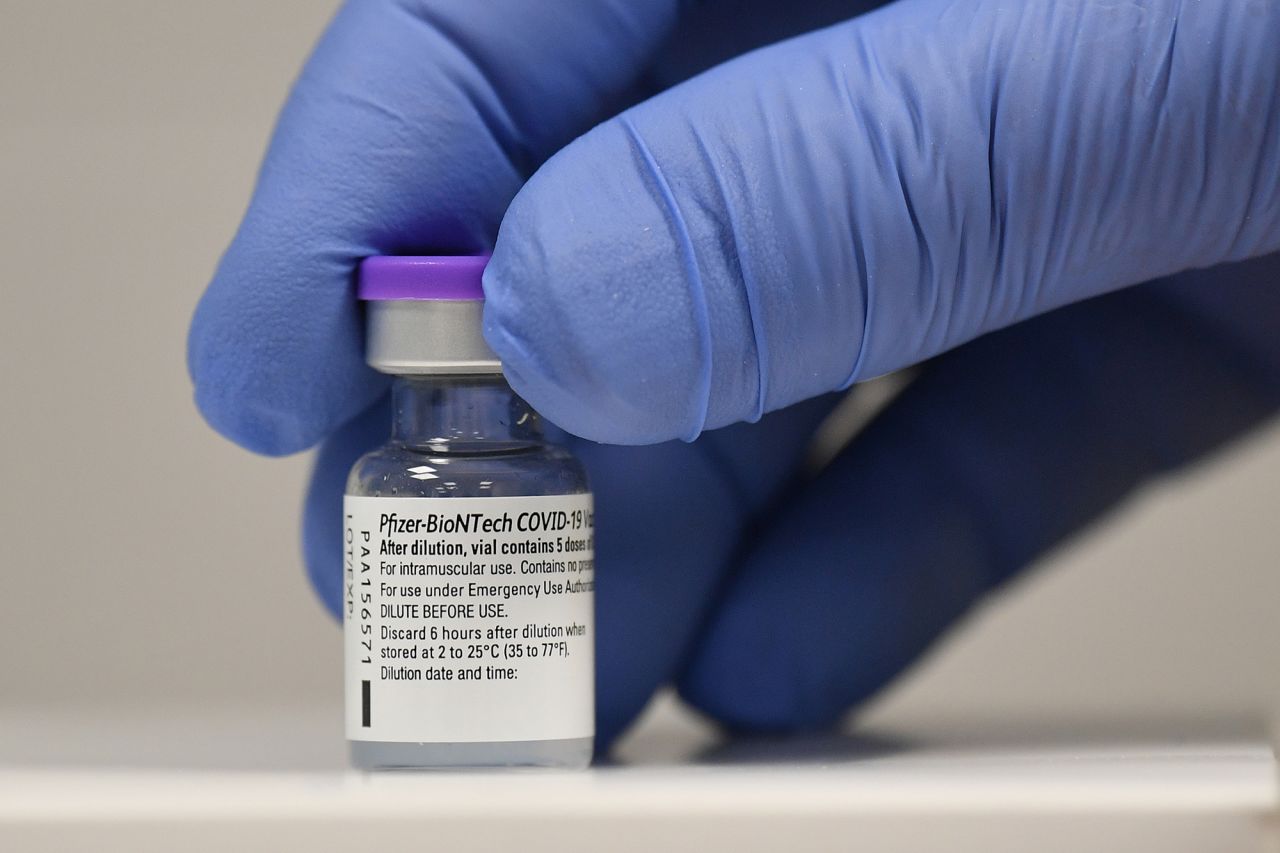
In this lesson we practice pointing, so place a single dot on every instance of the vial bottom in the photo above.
(570, 754)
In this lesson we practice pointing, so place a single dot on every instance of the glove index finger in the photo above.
(409, 130)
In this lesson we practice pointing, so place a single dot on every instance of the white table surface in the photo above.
(213, 779)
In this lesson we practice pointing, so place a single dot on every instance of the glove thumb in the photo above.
(855, 200)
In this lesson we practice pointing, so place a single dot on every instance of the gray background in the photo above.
(148, 561)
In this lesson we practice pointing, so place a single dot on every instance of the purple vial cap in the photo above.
(390, 277)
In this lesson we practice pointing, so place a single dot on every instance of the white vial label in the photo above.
(469, 619)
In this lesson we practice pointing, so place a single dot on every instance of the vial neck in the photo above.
(462, 414)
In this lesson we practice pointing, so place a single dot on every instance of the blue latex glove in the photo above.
(820, 211)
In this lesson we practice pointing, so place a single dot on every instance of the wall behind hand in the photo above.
(148, 561)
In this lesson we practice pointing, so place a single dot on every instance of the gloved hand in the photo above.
(821, 211)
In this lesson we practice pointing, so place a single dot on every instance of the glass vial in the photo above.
(468, 549)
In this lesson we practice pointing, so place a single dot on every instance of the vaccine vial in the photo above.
(468, 549)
